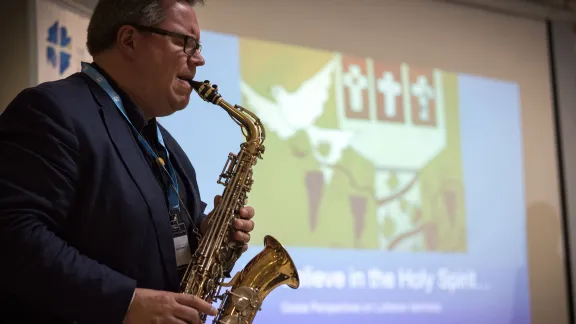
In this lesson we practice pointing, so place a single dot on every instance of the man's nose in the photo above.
(197, 59)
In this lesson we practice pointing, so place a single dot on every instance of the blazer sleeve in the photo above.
(39, 174)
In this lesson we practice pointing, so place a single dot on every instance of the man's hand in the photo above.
(152, 306)
(243, 225)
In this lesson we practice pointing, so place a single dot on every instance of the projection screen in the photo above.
(410, 164)
(407, 143)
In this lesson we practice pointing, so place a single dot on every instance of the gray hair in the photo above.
(110, 15)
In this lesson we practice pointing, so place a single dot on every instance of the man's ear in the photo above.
(127, 39)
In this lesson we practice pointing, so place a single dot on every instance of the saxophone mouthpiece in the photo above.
(206, 91)
(195, 84)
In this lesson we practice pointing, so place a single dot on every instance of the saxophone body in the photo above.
(217, 252)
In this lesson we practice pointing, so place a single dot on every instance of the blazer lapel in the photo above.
(129, 151)
(193, 195)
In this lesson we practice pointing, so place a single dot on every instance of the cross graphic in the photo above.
(356, 82)
(56, 51)
(390, 89)
(424, 93)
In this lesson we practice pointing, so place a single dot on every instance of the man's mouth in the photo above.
(184, 80)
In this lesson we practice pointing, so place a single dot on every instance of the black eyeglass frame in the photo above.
(188, 40)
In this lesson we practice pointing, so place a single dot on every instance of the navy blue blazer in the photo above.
(83, 221)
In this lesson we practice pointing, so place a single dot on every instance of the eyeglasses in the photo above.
(191, 45)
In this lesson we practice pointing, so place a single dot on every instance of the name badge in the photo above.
(182, 248)
(181, 244)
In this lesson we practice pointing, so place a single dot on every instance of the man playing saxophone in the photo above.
(98, 203)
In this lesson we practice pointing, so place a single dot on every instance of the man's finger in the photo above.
(197, 303)
(242, 237)
(186, 314)
(217, 199)
(244, 225)
(247, 212)
(175, 320)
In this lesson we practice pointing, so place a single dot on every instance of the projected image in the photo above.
(397, 189)
(370, 150)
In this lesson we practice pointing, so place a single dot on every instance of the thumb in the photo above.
(217, 200)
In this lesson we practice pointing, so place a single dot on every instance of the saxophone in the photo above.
(217, 252)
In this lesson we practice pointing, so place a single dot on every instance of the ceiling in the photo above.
(557, 10)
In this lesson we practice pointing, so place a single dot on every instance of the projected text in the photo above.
(423, 280)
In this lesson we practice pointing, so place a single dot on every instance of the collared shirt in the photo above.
(148, 130)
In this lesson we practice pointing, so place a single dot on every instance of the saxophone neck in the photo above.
(252, 128)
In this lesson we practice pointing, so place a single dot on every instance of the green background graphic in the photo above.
(289, 209)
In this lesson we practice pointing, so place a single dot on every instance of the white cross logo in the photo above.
(390, 89)
(356, 82)
(424, 93)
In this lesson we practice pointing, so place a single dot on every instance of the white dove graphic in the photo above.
(291, 112)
